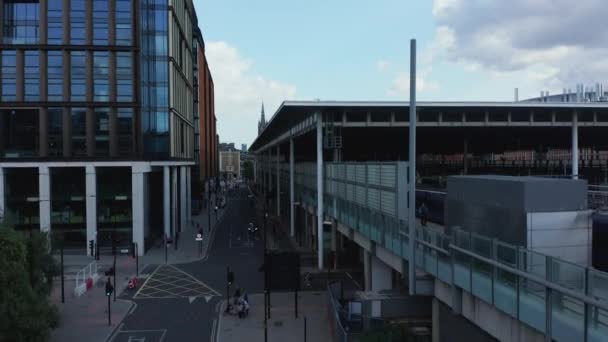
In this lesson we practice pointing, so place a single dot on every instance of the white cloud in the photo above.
(552, 43)
(239, 93)
(382, 65)
(401, 85)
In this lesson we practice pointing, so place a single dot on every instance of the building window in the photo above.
(78, 86)
(102, 129)
(124, 30)
(21, 22)
(125, 122)
(55, 22)
(55, 75)
(31, 76)
(124, 76)
(79, 147)
(77, 21)
(9, 75)
(100, 22)
(101, 81)
(55, 131)
(21, 132)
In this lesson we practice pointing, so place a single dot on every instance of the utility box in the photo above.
(547, 215)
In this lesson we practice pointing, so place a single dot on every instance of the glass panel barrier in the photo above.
(568, 275)
(532, 304)
(505, 292)
(597, 324)
(567, 318)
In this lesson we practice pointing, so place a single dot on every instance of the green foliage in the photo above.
(248, 170)
(391, 333)
(26, 312)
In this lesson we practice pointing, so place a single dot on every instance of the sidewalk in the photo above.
(86, 317)
(283, 326)
(187, 246)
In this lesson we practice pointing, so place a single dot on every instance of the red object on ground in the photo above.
(133, 283)
(89, 283)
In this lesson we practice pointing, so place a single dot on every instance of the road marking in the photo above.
(145, 282)
(168, 281)
(161, 332)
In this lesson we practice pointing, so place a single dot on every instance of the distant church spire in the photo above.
(262, 122)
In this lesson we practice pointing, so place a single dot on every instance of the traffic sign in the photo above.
(199, 237)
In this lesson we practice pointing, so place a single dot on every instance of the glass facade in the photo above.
(78, 75)
(100, 22)
(154, 78)
(55, 26)
(124, 76)
(125, 129)
(9, 75)
(101, 80)
(55, 75)
(31, 76)
(68, 206)
(55, 131)
(79, 147)
(21, 131)
(124, 28)
(114, 206)
(102, 131)
(77, 22)
(21, 196)
(20, 22)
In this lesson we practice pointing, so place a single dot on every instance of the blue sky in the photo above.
(272, 50)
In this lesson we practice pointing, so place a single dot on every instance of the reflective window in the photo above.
(55, 75)
(102, 131)
(21, 132)
(79, 147)
(68, 206)
(124, 76)
(31, 76)
(55, 25)
(125, 122)
(78, 76)
(124, 31)
(21, 22)
(55, 131)
(21, 194)
(100, 22)
(77, 21)
(100, 76)
(9, 75)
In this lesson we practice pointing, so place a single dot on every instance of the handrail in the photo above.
(535, 278)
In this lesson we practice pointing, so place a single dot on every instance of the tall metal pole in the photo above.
(62, 277)
(320, 190)
(575, 145)
(110, 311)
(115, 277)
(209, 204)
(292, 222)
(412, 173)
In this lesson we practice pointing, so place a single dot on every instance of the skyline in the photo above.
(273, 51)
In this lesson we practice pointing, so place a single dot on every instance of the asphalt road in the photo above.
(181, 302)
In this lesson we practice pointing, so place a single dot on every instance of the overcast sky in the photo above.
(276, 50)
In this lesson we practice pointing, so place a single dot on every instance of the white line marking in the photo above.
(145, 282)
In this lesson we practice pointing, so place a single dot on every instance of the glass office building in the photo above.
(90, 93)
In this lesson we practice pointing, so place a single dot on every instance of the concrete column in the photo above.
(412, 175)
(2, 203)
(139, 191)
(278, 181)
(320, 190)
(382, 275)
(167, 200)
(292, 222)
(91, 203)
(575, 145)
(44, 196)
(367, 270)
(174, 214)
(188, 193)
(435, 320)
(183, 206)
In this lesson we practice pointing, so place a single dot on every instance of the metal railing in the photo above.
(88, 272)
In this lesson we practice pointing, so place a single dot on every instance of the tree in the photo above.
(26, 312)
(248, 170)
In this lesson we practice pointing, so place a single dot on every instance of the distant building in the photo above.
(243, 147)
(227, 147)
(582, 93)
(262, 123)
(230, 164)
